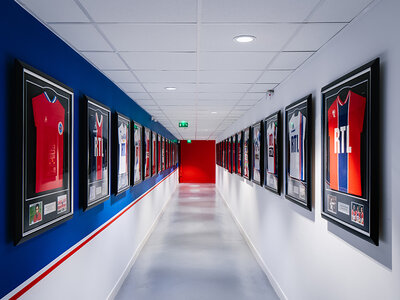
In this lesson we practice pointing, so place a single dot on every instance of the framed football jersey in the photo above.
(246, 153)
(137, 153)
(146, 153)
(158, 153)
(153, 153)
(43, 146)
(239, 153)
(233, 138)
(162, 153)
(121, 162)
(272, 152)
(97, 158)
(257, 154)
(298, 152)
(350, 160)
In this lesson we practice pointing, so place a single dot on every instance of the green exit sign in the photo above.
(183, 124)
(189, 141)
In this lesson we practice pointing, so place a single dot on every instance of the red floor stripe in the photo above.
(63, 259)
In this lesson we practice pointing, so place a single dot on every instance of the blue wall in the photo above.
(24, 38)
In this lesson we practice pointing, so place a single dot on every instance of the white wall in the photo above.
(95, 270)
(309, 257)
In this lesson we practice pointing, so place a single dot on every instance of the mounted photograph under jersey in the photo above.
(43, 168)
(257, 153)
(350, 165)
(98, 121)
(272, 152)
(137, 155)
(121, 163)
(298, 152)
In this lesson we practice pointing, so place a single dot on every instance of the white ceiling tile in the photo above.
(338, 10)
(213, 103)
(67, 10)
(235, 60)
(253, 96)
(130, 87)
(269, 37)
(151, 37)
(105, 60)
(83, 37)
(120, 76)
(223, 87)
(167, 76)
(274, 76)
(174, 102)
(220, 96)
(160, 60)
(142, 10)
(256, 10)
(313, 36)
(228, 76)
(290, 60)
(177, 96)
(262, 87)
(139, 96)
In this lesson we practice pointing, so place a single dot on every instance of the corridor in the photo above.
(196, 252)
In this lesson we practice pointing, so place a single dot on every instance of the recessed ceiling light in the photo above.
(213, 112)
(244, 38)
(170, 88)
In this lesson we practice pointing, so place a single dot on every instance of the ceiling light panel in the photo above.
(142, 10)
(67, 10)
(270, 37)
(160, 60)
(167, 76)
(236, 11)
(151, 37)
(160, 87)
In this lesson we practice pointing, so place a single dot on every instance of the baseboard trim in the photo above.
(277, 288)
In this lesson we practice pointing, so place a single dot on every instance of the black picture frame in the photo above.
(350, 151)
(137, 153)
(239, 151)
(97, 153)
(298, 141)
(257, 153)
(229, 141)
(247, 153)
(43, 114)
(153, 153)
(158, 153)
(163, 153)
(121, 153)
(146, 153)
(273, 152)
(234, 158)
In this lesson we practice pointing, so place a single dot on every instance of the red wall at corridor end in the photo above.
(197, 162)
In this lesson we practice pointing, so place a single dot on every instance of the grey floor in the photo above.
(196, 252)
